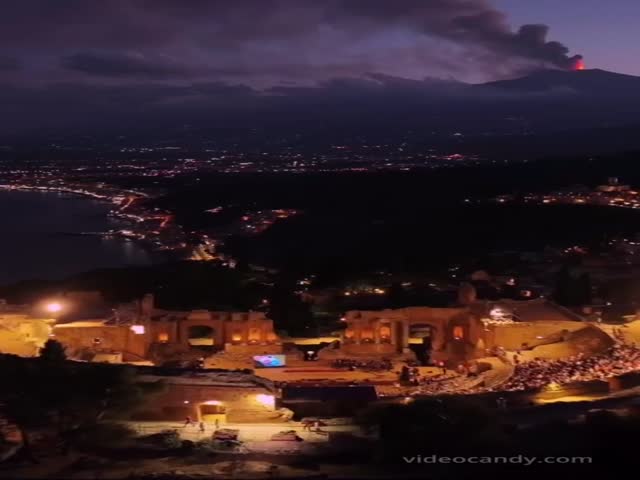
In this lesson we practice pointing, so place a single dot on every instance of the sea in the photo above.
(37, 241)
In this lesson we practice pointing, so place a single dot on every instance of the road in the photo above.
(199, 253)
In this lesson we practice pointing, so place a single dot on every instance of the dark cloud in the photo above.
(266, 42)
(137, 61)
(9, 64)
(116, 64)
(473, 22)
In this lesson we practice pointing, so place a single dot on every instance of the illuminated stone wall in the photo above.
(454, 332)
(23, 335)
(179, 400)
(250, 332)
(459, 334)
(512, 336)
(229, 328)
(99, 337)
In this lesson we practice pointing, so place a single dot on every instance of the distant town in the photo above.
(611, 194)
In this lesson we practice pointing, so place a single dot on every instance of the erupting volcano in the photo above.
(578, 64)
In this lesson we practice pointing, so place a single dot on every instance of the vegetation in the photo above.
(53, 351)
(288, 311)
(65, 398)
(571, 289)
(175, 285)
(466, 427)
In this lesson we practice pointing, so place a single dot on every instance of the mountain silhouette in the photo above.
(594, 82)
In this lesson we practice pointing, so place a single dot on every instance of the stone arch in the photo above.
(459, 328)
(418, 329)
(422, 336)
(200, 335)
(418, 332)
(462, 335)
(254, 334)
(385, 331)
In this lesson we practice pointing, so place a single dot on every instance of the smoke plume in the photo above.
(268, 42)
(469, 22)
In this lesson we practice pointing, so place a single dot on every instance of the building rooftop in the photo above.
(365, 393)
(93, 323)
(538, 310)
(220, 378)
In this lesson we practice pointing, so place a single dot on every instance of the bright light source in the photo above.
(53, 307)
(553, 386)
(266, 400)
(213, 402)
(137, 329)
(186, 402)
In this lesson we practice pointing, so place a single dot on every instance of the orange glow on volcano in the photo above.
(579, 65)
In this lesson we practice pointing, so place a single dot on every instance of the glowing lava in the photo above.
(578, 64)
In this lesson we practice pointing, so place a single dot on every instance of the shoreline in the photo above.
(45, 220)
(81, 193)
(111, 215)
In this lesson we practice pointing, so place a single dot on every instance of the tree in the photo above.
(437, 425)
(396, 295)
(18, 401)
(563, 291)
(584, 289)
(65, 396)
(288, 311)
(53, 351)
(572, 291)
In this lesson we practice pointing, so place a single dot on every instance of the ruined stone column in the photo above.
(394, 334)
(405, 335)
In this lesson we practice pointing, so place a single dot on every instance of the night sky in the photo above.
(153, 51)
